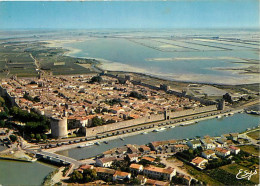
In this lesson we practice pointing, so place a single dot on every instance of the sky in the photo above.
(137, 14)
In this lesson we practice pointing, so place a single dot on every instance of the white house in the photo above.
(208, 143)
(208, 154)
(199, 162)
(156, 172)
(194, 144)
(105, 162)
(234, 150)
(222, 152)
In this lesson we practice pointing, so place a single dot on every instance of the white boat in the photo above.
(219, 116)
(86, 145)
(144, 133)
(231, 113)
(158, 130)
(172, 126)
(97, 143)
(122, 139)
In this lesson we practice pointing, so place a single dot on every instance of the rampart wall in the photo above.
(153, 118)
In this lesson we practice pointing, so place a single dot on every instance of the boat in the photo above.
(172, 126)
(85, 145)
(144, 133)
(122, 139)
(219, 116)
(159, 130)
(231, 113)
(97, 143)
(106, 142)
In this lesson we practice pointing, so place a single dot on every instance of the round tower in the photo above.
(59, 127)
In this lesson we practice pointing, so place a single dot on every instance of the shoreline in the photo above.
(126, 68)
(180, 124)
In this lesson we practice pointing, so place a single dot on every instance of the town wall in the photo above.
(153, 118)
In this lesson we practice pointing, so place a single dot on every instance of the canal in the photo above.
(212, 127)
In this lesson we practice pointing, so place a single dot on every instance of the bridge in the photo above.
(57, 158)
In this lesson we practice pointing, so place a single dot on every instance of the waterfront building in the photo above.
(159, 173)
(207, 143)
(194, 144)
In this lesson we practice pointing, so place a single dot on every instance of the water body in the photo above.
(123, 54)
(22, 173)
(212, 127)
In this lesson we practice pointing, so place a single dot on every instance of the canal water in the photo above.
(23, 173)
(212, 127)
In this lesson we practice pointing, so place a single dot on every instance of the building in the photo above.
(233, 136)
(208, 154)
(133, 157)
(105, 162)
(234, 150)
(157, 182)
(222, 152)
(142, 179)
(194, 144)
(150, 159)
(59, 127)
(119, 175)
(105, 172)
(179, 148)
(207, 143)
(199, 162)
(159, 173)
(84, 167)
(136, 168)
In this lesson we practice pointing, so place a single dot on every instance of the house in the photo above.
(234, 150)
(194, 144)
(144, 149)
(133, 157)
(84, 167)
(159, 173)
(186, 179)
(179, 148)
(156, 182)
(132, 149)
(222, 152)
(142, 179)
(150, 159)
(105, 172)
(199, 162)
(136, 168)
(208, 154)
(234, 136)
(207, 143)
(119, 175)
(105, 162)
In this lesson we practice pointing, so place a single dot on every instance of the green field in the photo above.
(255, 134)
(17, 58)
(250, 149)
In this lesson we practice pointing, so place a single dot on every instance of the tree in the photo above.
(38, 137)
(89, 175)
(76, 177)
(2, 123)
(32, 136)
(97, 121)
(13, 138)
(44, 137)
(2, 101)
